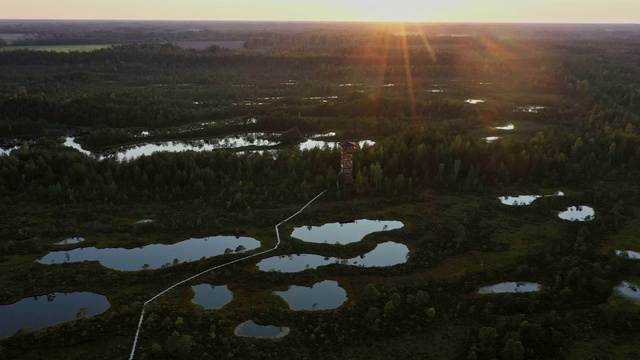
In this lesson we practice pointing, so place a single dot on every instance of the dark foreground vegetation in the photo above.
(570, 92)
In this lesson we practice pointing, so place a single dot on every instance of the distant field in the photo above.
(12, 37)
(58, 48)
(201, 45)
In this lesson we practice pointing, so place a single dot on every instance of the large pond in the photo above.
(385, 254)
(628, 253)
(521, 200)
(510, 287)
(629, 290)
(325, 295)
(69, 241)
(156, 255)
(343, 233)
(212, 297)
(42, 311)
(251, 329)
(578, 213)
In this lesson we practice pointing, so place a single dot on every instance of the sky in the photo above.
(555, 11)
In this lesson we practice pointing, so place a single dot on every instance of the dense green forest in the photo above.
(439, 163)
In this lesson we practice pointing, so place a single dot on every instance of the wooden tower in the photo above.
(347, 149)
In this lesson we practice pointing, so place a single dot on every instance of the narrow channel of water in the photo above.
(343, 233)
(385, 254)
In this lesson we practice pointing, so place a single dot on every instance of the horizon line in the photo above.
(327, 21)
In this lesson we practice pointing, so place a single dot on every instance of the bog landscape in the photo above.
(319, 190)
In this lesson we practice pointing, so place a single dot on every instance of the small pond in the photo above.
(491, 139)
(474, 101)
(154, 256)
(251, 329)
(212, 297)
(144, 221)
(629, 290)
(510, 287)
(578, 213)
(629, 253)
(522, 200)
(505, 127)
(385, 254)
(343, 233)
(71, 240)
(41, 311)
(325, 295)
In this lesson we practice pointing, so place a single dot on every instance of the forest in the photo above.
(452, 118)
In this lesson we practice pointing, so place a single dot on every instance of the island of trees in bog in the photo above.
(136, 155)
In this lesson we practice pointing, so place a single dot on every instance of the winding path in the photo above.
(135, 340)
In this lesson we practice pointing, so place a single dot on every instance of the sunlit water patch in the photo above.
(491, 139)
(524, 199)
(474, 101)
(343, 233)
(385, 254)
(578, 213)
(156, 255)
(7, 151)
(529, 109)
(510, 287)
(313, 144)
(629, 290)
(212, 297)
(325, 295)
(227, 142)
(251, 329)
(41, 311)
(71, 142)
(505, 127)
(136, 151)
(69, 241)
(629, 253)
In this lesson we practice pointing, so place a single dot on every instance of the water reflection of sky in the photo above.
(212, 296)
(510, 287)
(154, 255)
(325, 295)
(71, 240)
(628, 253)
(629, 290)
(40, 311)
(578, 213)
(521, 200)
(343, 233)
(251, 329)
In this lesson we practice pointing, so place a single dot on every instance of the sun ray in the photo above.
(407, 70)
